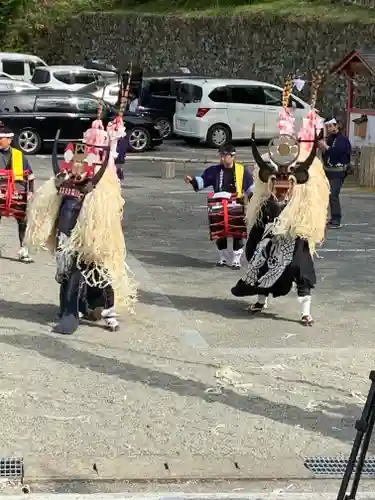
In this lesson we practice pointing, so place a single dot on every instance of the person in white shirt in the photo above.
(133, 103)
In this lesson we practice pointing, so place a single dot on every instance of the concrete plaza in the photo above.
(192, 387)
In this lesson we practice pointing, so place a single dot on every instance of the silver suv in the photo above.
(68, 77)
(11, 84)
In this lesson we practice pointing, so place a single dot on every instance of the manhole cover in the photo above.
(11, 468)
(335, 466)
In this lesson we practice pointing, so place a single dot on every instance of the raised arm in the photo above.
(203, 181)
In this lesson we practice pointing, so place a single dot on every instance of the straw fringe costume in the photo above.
(286, 216)
(77, 215)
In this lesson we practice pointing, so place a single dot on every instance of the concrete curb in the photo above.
(163, 469)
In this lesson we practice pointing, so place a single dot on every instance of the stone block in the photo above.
(168, 170)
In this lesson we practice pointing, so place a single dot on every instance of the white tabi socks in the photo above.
(223, 257)
(305, 305)
(236, 261)
(262, 300)
(306, 310)
(109, 316)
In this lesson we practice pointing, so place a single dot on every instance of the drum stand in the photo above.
(364, 427)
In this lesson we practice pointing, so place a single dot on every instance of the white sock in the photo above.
(237, 254)
(223, 255)
(109, 313)
(111, 322)
(262, 299)
(306, 305)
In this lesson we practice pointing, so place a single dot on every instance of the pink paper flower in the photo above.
(286, 123)
(310, 124)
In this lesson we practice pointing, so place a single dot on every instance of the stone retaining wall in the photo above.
(259, 47)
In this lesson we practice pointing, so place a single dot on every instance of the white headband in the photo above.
(333, 121)
(6, 136)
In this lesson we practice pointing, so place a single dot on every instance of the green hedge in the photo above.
(22, 19)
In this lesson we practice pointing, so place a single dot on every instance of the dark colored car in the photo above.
(157, 99)
(36, 115)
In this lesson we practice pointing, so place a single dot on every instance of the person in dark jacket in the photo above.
(336, 152)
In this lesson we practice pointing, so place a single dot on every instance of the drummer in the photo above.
(13, 159)
(227, 176)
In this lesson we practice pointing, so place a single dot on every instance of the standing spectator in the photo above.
(133, 102)
(336, 153)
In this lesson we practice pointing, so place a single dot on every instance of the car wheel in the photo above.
(28, 141)
(139, 140)
(192, 141)
(218, 135)
(165, 127)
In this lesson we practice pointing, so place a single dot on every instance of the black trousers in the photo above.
(21, 229)
(222, 244)
(100, 297)
(335, 183)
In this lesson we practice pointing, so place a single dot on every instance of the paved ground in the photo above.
(191, 385)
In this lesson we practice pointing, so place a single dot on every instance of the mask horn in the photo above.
(99, 174)
(257, 156)
(55, 161)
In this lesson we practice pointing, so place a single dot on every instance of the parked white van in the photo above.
(217, 111)
(20, 66)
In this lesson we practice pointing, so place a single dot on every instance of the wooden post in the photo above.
(366, 171)
(168, 170)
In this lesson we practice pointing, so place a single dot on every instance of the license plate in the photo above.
(182, 123)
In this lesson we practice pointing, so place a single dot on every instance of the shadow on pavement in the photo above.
(315, 420)
(167, 259)
(227, 308)
(34, 313)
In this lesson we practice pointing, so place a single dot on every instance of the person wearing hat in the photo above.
(13, 159)
(232, 177)
(336, 154)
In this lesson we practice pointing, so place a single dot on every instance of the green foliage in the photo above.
(22, 20)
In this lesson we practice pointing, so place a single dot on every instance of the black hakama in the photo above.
(275, 261)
